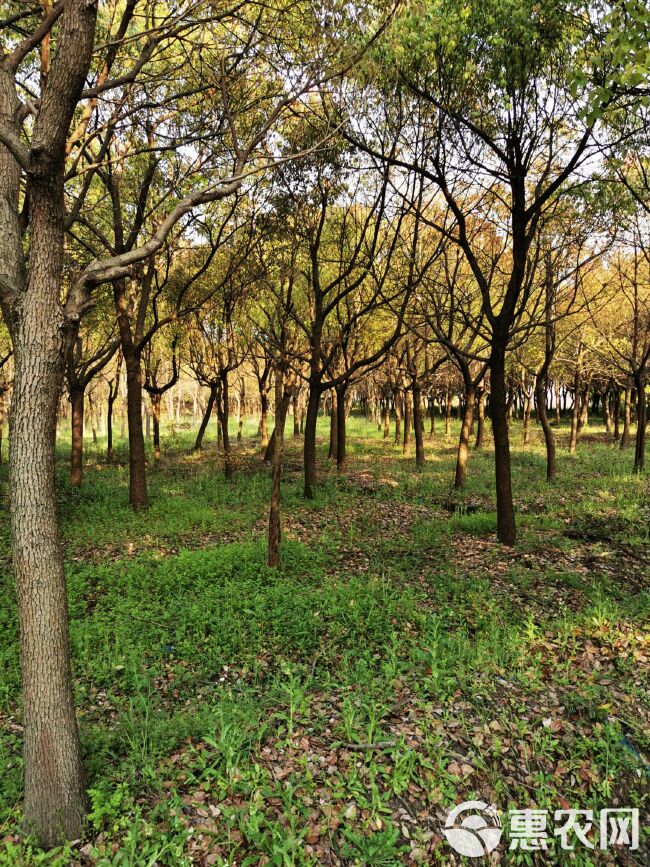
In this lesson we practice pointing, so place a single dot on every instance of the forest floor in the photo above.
(399, 662)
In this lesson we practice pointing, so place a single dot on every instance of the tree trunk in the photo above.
(281, 408)
(480, 427)
(138, 496)
(639, 448)
(506, 529)
(541, 389)
(334, 417)
(397, 400)
(418, 425)
(407, 421)
(155, 413)
(296, 420)
(448, 411)
(264, 414)
(223, 410)
(528, 399)
(341, 451)
(607, 415)
(198, 445)
(460, 476)
(575, 413)
(627, 415)
(109, 425)
(309, 453)
(77, 447)
(617, 413)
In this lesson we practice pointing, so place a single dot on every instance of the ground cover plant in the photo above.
(399, 661)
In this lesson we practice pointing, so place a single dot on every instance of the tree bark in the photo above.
(480, 427)
(627, 415)
(309, 453)
(155, 414)
(541, 389)
(617, 412)
(460, 476)
(418, 425)
(448, 411)
(296, 420)
(341, 452)
(264, 414)
(506, 528)
(275, 529)
(639, 446)
(138, 496)
(198, 445)
(333, 427)
(77, 447)
(575, 413)
(407, 421)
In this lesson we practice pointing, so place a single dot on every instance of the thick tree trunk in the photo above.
(460, 476)
(480, 427)
(138, 496)
(198, 445)
(506, 529)
(627, 415)
(418, 425)
(77, 447)
(309, 453)
(639, 446)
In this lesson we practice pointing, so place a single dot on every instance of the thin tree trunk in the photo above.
(309, 453)
(198, 445)
(264, 413)
(639, 447)
(407, 421)
(627, 415)
(541, 389)
(138, 496)
(397, 399)
(281, 408)
(296, 421)
(448, 411)
(418, 425)
(333, 426)
(460, 476)
(223, 410)
(341, 453)
(155, 413)
(528, 399)
(617, 412)
(480, 427)
(575, 413)
(77, 447)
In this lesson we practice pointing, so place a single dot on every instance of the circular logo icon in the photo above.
(478, 833)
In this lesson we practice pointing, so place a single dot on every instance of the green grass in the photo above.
(218, 699)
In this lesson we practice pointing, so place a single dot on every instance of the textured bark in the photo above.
(77, 445)
(223, 410)
(549, 437)
(54, 800)
(407, 421)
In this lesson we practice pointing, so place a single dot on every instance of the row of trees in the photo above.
(336, 194)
